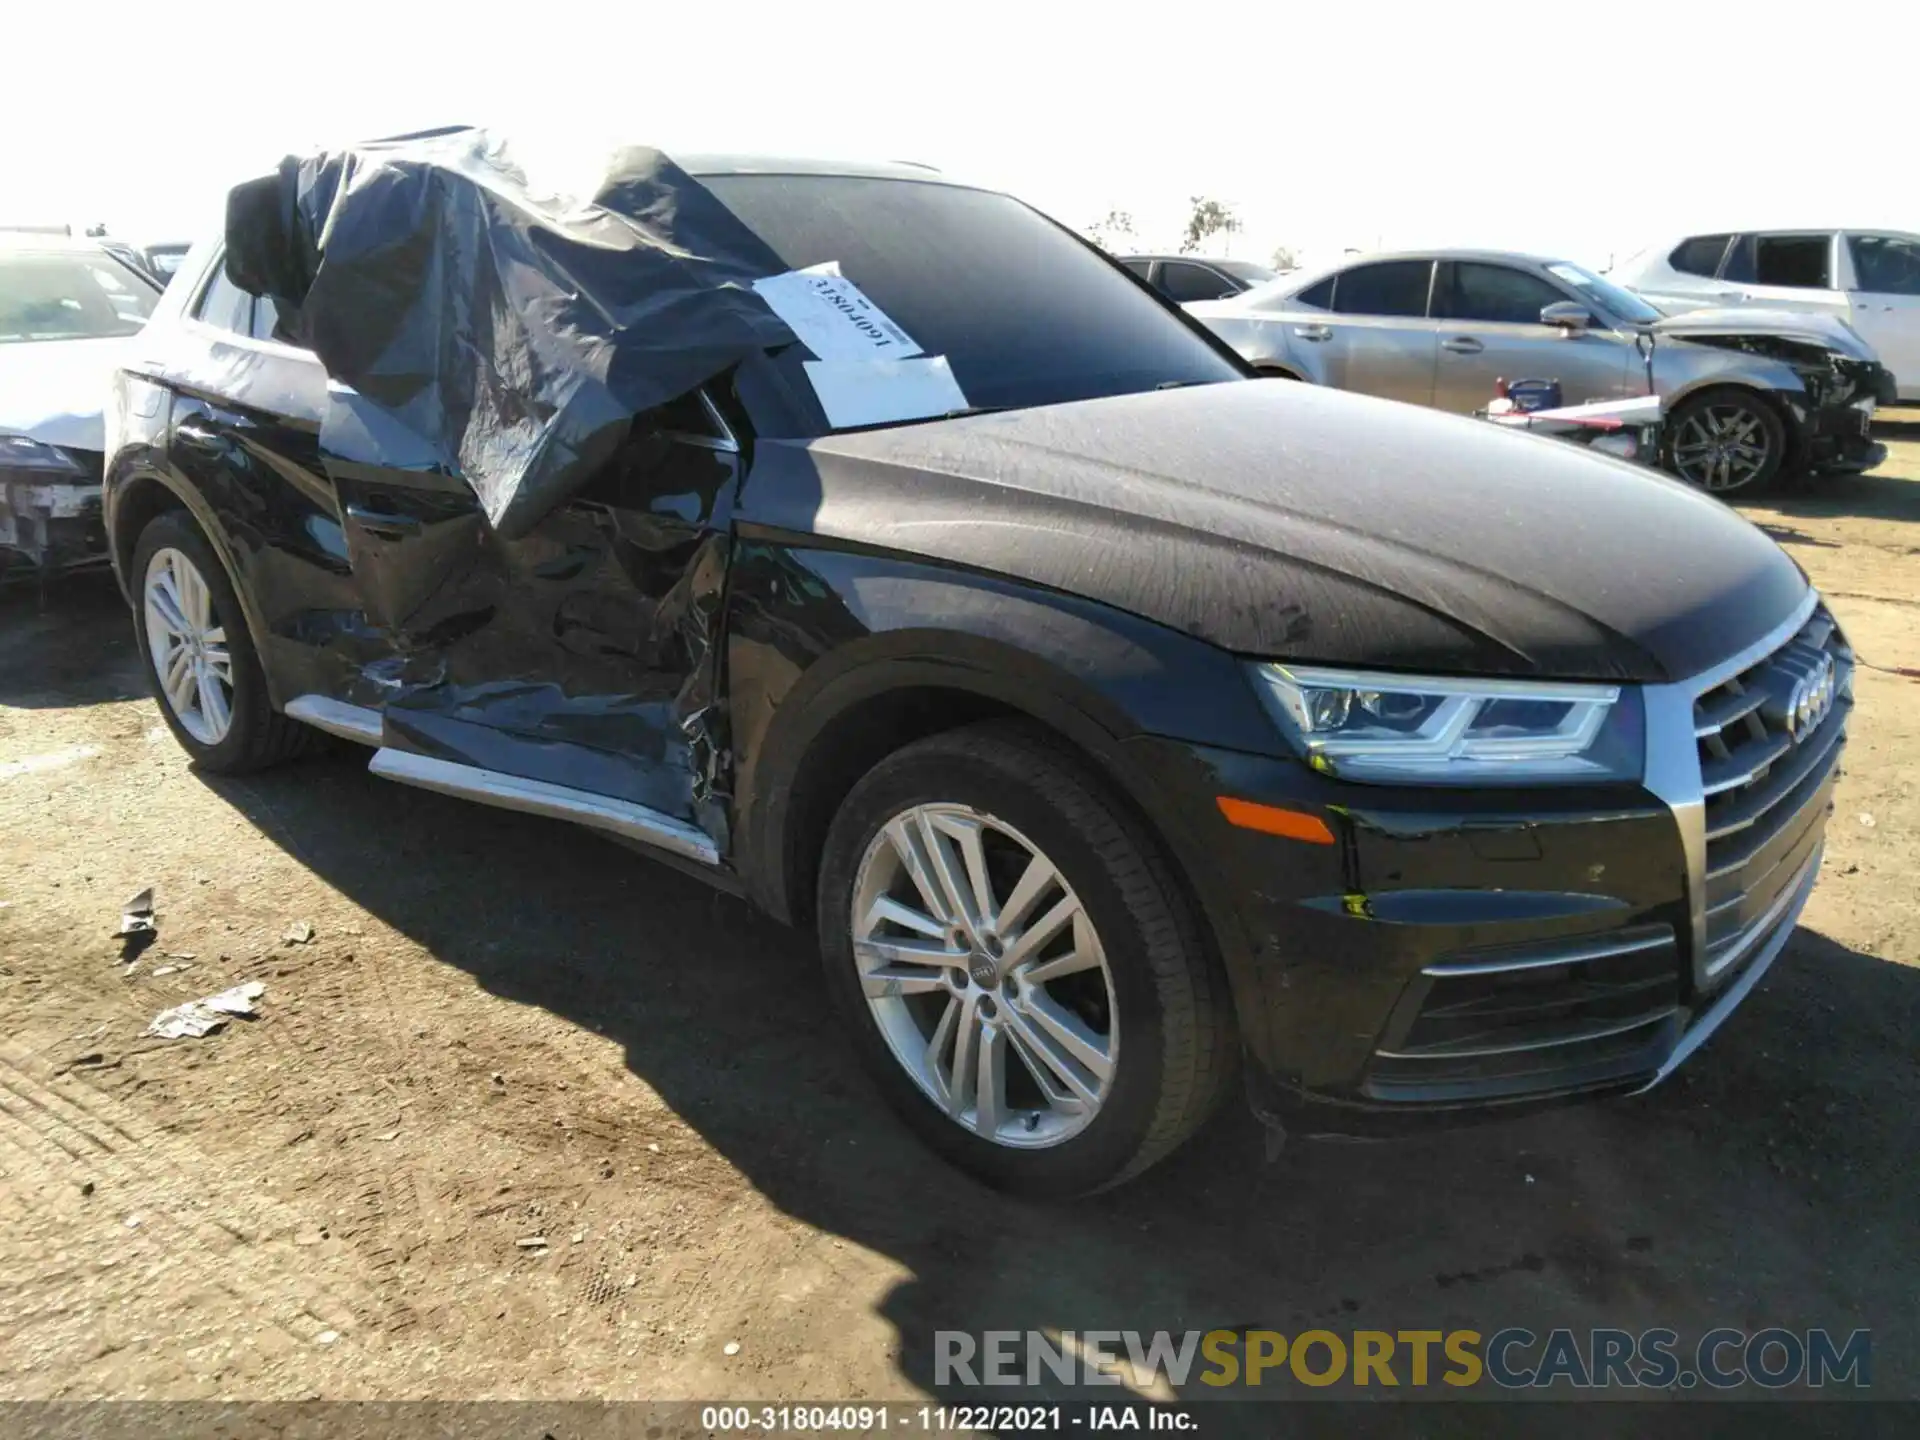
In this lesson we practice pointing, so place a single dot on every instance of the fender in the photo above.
(183, 496)
(837, 657)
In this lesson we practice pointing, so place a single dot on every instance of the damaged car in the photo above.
(870, 545)
(1748, 394)
(66, 310)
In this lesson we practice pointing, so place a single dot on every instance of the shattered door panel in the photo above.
(580, 654)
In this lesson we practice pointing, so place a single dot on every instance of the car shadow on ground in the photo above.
(70, 644)
(1713, 1201)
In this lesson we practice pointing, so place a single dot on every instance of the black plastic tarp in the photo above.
(514, 323)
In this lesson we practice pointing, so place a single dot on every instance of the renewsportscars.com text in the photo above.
(1513, 1358)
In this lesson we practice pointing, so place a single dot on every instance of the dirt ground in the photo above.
(504, 1030)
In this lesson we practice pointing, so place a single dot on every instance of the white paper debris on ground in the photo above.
(204, 1016)
(298, 933)
(874, 392)
(832, 317)
(136, 916)
(59, 759)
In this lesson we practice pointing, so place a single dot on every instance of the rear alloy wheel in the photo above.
(200, 655)
(187, 645)
(1725, 441)
(1024, 976)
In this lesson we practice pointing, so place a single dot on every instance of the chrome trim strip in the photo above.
(1759, 650)
(1702, 1029)
(1549, 1044)
(1600, 948)
(538, 797)
(1739, 708)
(336, 717)
(1801, 885)
(1779, 745)
(1673, 761)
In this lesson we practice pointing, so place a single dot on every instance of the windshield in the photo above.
(48, 295)
(1608, 296)
(1024, 312)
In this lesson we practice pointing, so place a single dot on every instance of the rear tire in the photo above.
(218, 709)
(1151, 1018)
(1726, 441)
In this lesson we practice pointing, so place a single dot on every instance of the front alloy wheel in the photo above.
(1023, 973)
(188, 646)
(985, 975)
(1725, 441)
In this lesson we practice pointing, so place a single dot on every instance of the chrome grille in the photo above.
(1770, 740)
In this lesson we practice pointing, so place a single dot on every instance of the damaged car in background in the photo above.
(1748, 394)
(66, 309)
(873, 547)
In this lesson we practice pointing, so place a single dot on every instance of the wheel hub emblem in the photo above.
(984, 971)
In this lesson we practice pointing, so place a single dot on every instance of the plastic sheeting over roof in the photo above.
(512, 322)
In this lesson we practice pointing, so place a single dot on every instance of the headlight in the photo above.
(17, 452)
(1373, 726)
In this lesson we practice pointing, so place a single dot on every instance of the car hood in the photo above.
(1810, 327)
(1297, 522)
(55, 391)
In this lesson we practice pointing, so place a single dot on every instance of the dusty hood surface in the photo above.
(1298, 522)
(1805, 325)
(55, 391)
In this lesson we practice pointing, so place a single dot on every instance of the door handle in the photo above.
(1462, 345)
(1313, 332)
(383, 524)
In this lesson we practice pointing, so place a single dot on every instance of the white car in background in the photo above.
(1868, 278)
(67, 310)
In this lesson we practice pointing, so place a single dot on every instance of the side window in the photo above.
(224, 305)
(1392, 287)
(1699, 255)
(1497, 294)
(1885, 264)
(266, 319)
(1796, 261)
(1316, 297)
(1142, 268)
(1183, 282)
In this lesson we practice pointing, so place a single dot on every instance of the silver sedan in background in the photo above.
(1746, 392)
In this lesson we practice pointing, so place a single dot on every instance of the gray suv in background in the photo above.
(1746, 391)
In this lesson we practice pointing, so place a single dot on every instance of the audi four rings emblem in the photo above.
(1811, 699)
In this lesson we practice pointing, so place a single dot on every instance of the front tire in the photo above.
(1025, 980)
(1725, 441)
(199, 656)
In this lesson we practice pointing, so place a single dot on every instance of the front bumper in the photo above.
(1459, 951)
(53, 523)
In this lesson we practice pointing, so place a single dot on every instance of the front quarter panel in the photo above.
(1681, 368)
(817, 635)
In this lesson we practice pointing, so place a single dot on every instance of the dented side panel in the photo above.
(582, 654)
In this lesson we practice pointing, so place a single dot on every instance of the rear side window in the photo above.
(1797, 262)
(1392, 287)
(1886, 264)
(1184, 282)
(1699, 255)
(1142, 268)
(224, 305)
(1319, 297)
(1496, 294)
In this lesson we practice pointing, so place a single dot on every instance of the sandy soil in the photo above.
(505, 1030)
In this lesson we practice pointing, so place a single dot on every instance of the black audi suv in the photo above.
(1136, 733)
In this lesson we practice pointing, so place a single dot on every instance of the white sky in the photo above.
(1577, 129)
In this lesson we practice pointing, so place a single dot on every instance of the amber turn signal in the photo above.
(1272, 820)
